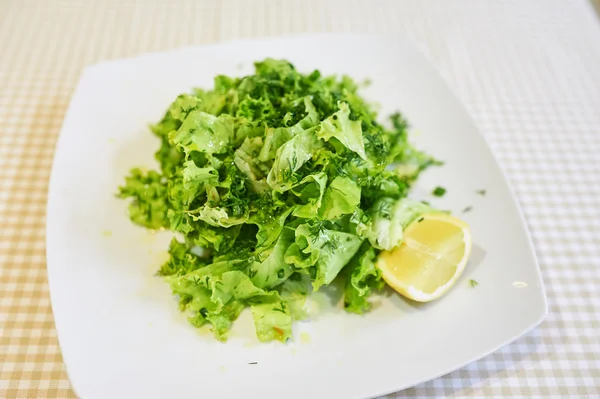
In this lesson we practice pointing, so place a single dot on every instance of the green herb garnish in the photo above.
(439, 191)
(473, 283)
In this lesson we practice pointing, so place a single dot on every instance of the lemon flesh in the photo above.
(433, 254)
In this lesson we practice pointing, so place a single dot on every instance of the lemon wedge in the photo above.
(433, 254)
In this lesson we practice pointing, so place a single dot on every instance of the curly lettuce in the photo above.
(284, 180)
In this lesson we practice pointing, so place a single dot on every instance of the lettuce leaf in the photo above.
(149, 203)
(362, 277)
(204, 132)
(322, 251)
(342, 197)
(347, 131)
(290, 157)
(310, 192)
(274, 270)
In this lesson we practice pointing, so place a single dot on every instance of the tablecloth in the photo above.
(527, 71)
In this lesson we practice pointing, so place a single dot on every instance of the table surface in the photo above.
(527, 71)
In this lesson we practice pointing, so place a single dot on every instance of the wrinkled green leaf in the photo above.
(205, 132)
(149, 203)
(342, 197)
(347, 131)
(290, 157)
(362, 277)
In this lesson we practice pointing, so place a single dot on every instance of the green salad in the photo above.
(276, 184)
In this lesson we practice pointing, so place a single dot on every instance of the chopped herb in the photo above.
(420, 220)
(481, 192)
(281, 309)
(253, 363)
(467, 209)
(473, 283)
(332, 244)
(439, 191)
(317, 230)
(385, 210)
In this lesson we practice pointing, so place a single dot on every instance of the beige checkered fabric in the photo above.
(528, 72)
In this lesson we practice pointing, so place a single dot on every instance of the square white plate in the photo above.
(119, 328)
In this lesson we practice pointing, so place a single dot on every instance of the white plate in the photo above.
(119, 328)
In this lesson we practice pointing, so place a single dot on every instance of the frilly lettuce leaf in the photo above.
(321, 251)
(276, 137)
(310, 192)
(222, 99)
(347, 131)
(216, 216)
(149, 203)
(294, 291)
(342, 197)
(270, 225)
(205, 132)
(194, 178)
(290, 157)
(245, 158)
(274, 270)
(181, 261)
(272, 319)
(213, 295)
(362, 277)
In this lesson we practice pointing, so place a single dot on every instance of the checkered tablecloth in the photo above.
(527, 71)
